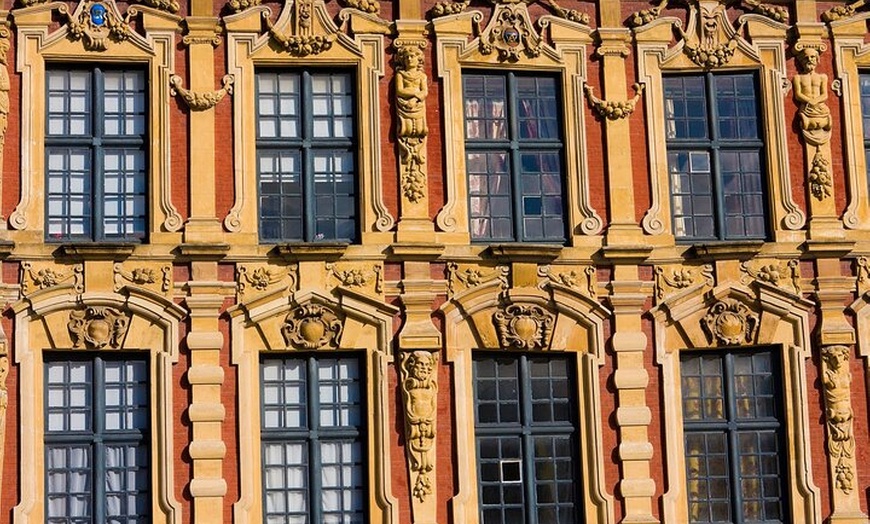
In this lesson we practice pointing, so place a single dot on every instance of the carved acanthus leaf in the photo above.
(613, 110)
(201, 101)
(523, 326)
(420, 398)
(312, 326)
(669, 280)
(49, 276)
(836, 382)
(473, 276)
(778, 273)
(97, 327)
(730, 322)
(144, 277)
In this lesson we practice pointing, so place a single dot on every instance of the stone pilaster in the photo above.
(419, 348)
(206, 376)
(628, 295)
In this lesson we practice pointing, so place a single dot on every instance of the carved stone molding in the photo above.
(779, 273)
(645, 16)
(240, 5)
(201, 101)
(447, 8)
(673, 279)
(312, 326)
(842, 11)
(170, 6)
(4, 84)
(419, 375)
(836, 382)
(524, 326)
(50, 276)
(362, 277)
(510, 33)
(97, 327)
(862, 271)
(260, 279)
(612, 110)
(366, 6)
(731, 323)
(572, 15)
(147, 277)
(459, 278)
(583, 280)
(412, 89)
(97, 24)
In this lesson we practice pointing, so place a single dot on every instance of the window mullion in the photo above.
(307, 101)
(98, 157)
(98, 488)
(718, 200)
(513, 128)
(732, 437)
(314, 459)
(527, 440)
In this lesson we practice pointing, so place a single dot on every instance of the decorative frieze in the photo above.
(97, 327)
(778, 272)
(158, 279)
(613, 110)
(673, 279)
(420, 395)
(836, 382)
(583, 280)
(358, 276)
(33, 279)
(730, 322)
(460, 278)
(259, 279)
(523, 326)
(97, 23)
(411, 128)
(312, 326)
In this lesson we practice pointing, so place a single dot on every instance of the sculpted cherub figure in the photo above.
(811, 94)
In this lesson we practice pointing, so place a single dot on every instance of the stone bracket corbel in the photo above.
(612, 110)
(201, 101)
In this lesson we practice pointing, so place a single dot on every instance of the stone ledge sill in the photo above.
(296, 251)
(98, 251)
(522, 252)
(739, 249)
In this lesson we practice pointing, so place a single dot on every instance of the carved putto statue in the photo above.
(411, 93)
(811, 94)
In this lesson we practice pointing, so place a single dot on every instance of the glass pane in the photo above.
(685, 107)
(485, 107)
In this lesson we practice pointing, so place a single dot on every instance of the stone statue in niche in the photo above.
(811, 94)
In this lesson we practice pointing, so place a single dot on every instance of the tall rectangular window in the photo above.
(864, 80)
(96, 440)
(734, 436)
(513, 147)
(527, 437)
(715, 163)
(306, 163)
(313, 440)
(95, 151)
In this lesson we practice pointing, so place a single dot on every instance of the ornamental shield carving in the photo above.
(523, 326)
(730, 322)
(97, 327)
(312, 327)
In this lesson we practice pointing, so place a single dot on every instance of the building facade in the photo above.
(428, 262)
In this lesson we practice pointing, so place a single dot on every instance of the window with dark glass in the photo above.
(95, 151)
(306, 163)
(313, 440)
(715, 162)
(527, 437)
(513, 148)
(864, 80)
(734, 437)
(96, 440)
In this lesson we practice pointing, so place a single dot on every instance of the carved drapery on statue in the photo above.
(420, 395)
(836, 383)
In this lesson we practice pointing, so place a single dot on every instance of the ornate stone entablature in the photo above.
(730, 323)
(312, 326)
(97, 327)
(523, 326)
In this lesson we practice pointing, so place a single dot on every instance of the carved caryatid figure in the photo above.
(411, 92)
(420, 389)
(836, 382)
(811, 94)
